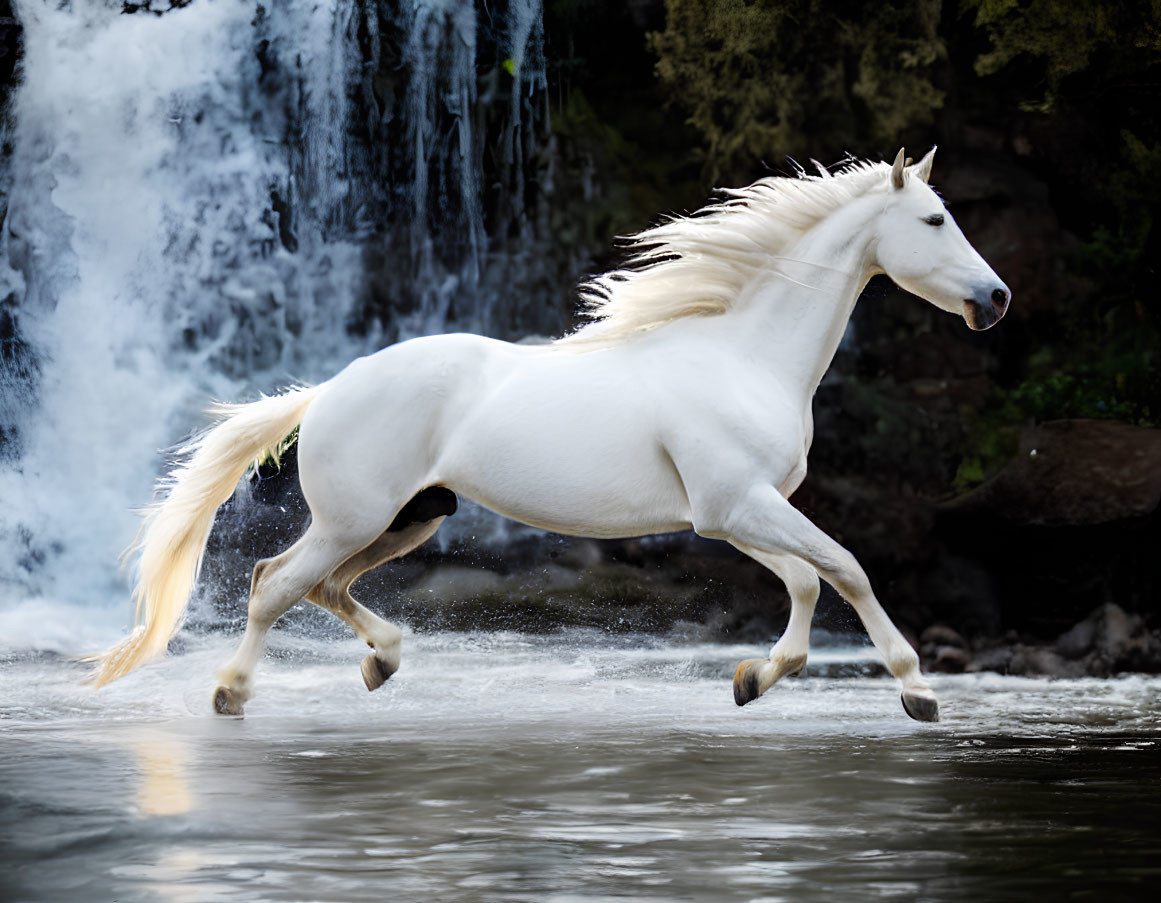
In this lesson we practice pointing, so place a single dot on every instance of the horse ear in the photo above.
(897, 170)
(922, 169)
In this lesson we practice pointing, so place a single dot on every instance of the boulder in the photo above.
(1110, 641)
(942, 635)
(949, 660)
(943, 650)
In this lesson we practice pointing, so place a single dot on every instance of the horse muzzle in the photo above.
(987, 307)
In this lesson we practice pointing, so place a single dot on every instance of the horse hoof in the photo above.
(921, 707)
(746, 686)
(227, 702)
(375, 673)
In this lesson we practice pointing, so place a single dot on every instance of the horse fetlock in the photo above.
(788, 665)
(388, 636)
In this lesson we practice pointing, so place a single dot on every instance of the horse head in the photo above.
(922, 249)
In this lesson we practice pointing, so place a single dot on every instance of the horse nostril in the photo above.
(1000, 297)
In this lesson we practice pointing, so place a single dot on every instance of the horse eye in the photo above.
(936, 219)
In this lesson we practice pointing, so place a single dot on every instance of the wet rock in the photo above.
(943, 650)
(949, 660)
(1110, 641)
(942, 635)
(1108, 634)
(998, 659)
(1039, 661)
(451, 583)
(609, 595)
(1078, 641)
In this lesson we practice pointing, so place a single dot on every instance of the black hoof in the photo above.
(746, 683)
(227, 702)
(921, 708)
(375, 673)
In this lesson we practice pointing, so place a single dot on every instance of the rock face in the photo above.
(1075, 472)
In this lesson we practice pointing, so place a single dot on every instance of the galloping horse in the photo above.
(686, 402)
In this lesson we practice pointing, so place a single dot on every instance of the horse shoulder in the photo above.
(723, 453)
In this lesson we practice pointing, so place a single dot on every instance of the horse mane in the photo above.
(696, 265)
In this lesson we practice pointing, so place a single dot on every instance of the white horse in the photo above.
(686, 403)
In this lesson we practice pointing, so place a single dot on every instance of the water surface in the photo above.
(572, 767)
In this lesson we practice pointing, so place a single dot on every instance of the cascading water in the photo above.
(225, 198)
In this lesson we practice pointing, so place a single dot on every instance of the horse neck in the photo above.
(793, 315)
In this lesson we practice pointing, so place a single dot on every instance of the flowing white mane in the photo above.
(698, 264)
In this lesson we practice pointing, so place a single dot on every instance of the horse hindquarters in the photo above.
(364, 453)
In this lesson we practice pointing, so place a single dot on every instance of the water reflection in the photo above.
(162, 762)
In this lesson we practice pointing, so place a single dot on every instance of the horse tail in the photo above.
(173, 536)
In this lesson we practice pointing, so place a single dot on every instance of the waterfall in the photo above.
(227, 197)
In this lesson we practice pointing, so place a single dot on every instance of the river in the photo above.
(574, 766)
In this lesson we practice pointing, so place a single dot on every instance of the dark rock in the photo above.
(943, 650)
(1077, 641)
(1118, 642)
(998, 659)
(1107, 641)
(950, 660)
(942, 635)
(1043, 662)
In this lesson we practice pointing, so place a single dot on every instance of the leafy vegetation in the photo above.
(761, 78)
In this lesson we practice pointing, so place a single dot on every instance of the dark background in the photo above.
(1003, 484)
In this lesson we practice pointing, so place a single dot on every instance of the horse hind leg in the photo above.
(412, 527)
(755, 676)
(278, 583)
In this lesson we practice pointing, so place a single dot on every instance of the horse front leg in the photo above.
(764, 520)
(755, 676)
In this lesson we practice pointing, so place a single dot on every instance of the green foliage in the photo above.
(1101, 389)
(761, 78)
(992, 444)
(1062, 37)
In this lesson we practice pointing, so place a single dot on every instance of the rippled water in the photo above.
(573, 767)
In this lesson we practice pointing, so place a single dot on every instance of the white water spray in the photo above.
(190, 218)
